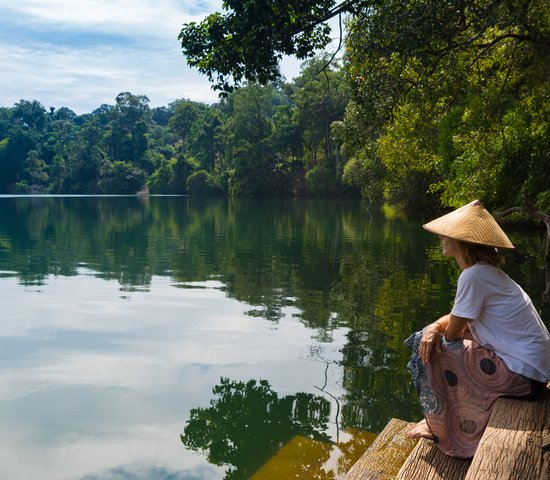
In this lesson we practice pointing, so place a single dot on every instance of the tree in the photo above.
(36, 176)
(205, 140)
(198, 128)
(29, 115)
(103, 114)
(57, 145)
(450, 95)
(203, 183)
(248, 135)
(5, 122)
(86, 159)
(447, 94)
(13, 154)
(321, 100)
(128, 128)
(171, 176)
(185, 115)
(247, 42)
(120, 178)
(63, 113)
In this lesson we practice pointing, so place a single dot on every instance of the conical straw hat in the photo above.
(472, 224)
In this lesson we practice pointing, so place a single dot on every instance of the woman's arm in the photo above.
(456, 327)
(450, 325)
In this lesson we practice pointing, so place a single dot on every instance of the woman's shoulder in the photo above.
(484, 268)
(482, 271)
(489, 278)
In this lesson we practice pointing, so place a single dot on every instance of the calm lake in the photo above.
(190, 339)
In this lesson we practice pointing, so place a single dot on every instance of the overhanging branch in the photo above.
(337, 10)
(532, 212)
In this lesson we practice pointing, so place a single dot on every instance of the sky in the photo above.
(81, 54)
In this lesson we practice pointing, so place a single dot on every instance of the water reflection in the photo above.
(120, 314)
(248, 422)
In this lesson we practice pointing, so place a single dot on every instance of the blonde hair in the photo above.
(473, 253)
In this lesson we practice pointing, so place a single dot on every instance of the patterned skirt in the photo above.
(457, 390)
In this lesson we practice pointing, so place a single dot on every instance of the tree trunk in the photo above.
(338, 164)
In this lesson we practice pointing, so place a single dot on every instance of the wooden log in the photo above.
(427, 462)
(512, 445)
(382, 460)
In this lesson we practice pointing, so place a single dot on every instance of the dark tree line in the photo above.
(260, 140)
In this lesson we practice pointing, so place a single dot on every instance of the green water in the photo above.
(185, 338)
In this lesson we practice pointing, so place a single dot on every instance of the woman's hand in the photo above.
(429, 343)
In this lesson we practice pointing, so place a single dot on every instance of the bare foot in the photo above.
(420, 430)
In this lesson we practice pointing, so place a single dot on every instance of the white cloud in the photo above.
(83, 53)
(110, 378)
(118, 15)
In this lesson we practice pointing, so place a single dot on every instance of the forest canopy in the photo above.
(448, 100)
(260, 140)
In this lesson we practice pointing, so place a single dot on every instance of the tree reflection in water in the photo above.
(248, 422)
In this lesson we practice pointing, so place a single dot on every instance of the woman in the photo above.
(492, 344)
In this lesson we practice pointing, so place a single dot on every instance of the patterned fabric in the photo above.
(457, 390)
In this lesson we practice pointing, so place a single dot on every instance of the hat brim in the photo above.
(471, 223)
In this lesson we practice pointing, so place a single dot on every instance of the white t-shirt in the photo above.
(503, 319)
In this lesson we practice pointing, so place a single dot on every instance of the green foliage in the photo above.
(252, 167)
(161, 181)
(365, 171)
(120, 178)
(249, 145)
(407, 151)
(184, 115)
(321, 181)
(248, 41)
(204, 183)
(206, 140)
(13, 154)
(127, 140)
(260, 140)
(451, 97)
(171, 176)
(320, 100)
(507, 156)
(86, 159)
(29, 115)
(35, 174)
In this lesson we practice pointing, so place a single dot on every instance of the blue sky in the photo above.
(82, 53)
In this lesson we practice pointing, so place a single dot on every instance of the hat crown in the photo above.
(471, 223)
